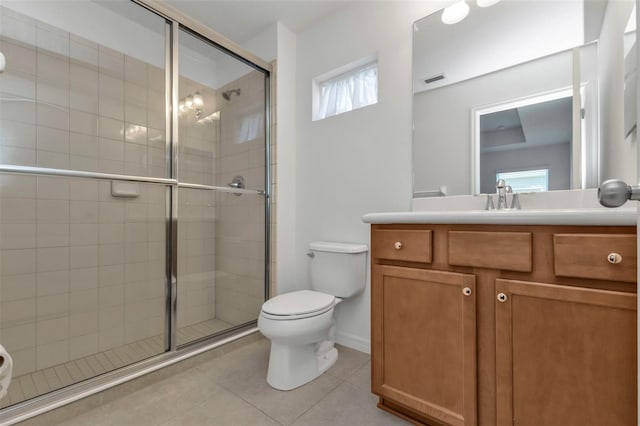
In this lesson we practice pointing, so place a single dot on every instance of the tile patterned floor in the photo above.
(231, 391)
(43, 381)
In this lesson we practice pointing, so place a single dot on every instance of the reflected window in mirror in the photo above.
(526, 180)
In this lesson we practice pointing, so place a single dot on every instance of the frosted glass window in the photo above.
(353, 89)
(526, 180)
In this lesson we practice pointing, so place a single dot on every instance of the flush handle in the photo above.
(398, 245)
(614, 258)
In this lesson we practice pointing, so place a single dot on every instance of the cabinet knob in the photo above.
(398, 245)
(466, 291)
(614, 258)
(502, 297)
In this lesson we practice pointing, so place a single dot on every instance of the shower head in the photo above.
(227, 95)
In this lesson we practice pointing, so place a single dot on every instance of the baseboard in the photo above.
(354, 342)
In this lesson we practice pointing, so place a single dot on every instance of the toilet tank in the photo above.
(338, 268)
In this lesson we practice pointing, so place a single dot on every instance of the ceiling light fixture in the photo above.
(459, 10)
(455, 13)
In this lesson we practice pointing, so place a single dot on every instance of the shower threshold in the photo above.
(44, 381)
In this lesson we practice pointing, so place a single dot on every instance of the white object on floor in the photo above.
(6, 369)
(300, 323)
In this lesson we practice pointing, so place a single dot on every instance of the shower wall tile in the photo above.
(13, 133)
(18, 84)
(20, 58)
(83, 51)
(52, 116)
(22, 112)
(83, 279)
(81, 92)
(17, 236)
(17, 287)
(72, 282)
(111, 62)
(65, 269)
(17, 156)
(52, 39)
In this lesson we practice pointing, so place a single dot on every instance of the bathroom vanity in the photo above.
(504, 322)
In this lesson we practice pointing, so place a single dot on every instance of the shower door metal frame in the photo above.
(175, 20)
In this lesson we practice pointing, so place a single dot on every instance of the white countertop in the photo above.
(580, 216)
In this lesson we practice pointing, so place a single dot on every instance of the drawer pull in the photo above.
(398, 245)
(502, 297)
(614, 258)
(466, 291)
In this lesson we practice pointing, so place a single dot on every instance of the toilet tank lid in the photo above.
(338, 247)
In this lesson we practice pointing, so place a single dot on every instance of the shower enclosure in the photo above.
(134, 191)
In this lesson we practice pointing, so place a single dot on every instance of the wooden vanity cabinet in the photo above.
(565, 355)
(504, 325)
(425, 314)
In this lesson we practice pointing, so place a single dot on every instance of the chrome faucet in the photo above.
(502, 189)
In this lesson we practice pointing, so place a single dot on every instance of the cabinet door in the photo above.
(565, 355)
(424, 341)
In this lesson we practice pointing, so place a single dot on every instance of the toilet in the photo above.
(300, 323)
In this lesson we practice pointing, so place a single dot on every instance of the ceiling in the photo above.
(530, 126)
(241, 20)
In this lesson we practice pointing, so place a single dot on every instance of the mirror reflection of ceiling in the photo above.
(499, 40)
(545, 123)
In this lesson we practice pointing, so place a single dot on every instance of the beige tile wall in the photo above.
(240, 222)
(223, 280)
(73, 104)
(199, 140)
(196, 256)
(81, 271)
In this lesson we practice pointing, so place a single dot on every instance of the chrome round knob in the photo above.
(613, 193)
(466, 291)
(398, 245)
(502, 297)
(614, 258)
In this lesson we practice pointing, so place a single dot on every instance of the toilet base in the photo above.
(293, 366)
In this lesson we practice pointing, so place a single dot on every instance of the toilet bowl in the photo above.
(301, 342)
(300, 323)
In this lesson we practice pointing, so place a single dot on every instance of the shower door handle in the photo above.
(237, 182)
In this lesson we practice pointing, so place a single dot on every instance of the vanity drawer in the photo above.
(588, 256)
(509, 251)
(405, 245)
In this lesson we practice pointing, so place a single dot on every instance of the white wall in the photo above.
(618, 155)
(358, 162)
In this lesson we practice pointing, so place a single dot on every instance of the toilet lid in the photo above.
(298, 302)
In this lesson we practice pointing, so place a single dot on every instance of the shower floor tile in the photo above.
(48, 380)
(231, 390)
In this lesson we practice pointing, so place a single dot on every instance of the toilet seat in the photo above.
(298, 304)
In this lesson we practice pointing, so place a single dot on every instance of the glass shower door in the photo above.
(221, 203)
(82, 265)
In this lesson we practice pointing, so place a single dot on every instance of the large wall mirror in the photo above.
(539, 93)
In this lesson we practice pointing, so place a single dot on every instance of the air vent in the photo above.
(434, 78)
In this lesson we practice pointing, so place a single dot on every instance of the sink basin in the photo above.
(580, 216)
